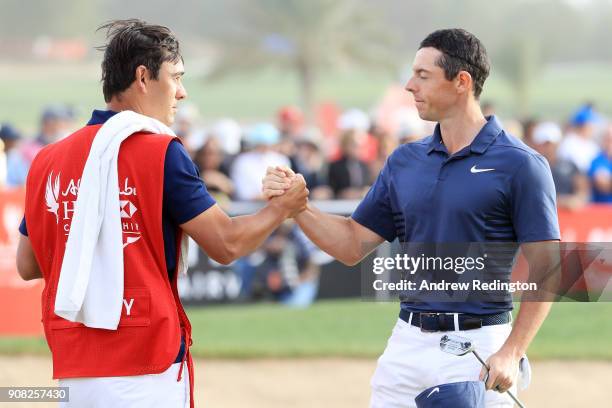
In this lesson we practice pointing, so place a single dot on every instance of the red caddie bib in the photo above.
(152, 318)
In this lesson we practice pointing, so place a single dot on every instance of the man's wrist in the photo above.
(513, 350)
(279, 208)
(302, 213)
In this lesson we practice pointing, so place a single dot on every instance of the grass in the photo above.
(331, 328)
(27, 88)
(355, 329)
(23, 345)
(575, 331)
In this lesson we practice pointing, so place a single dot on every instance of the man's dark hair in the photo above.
(461, 51)
(132, 43)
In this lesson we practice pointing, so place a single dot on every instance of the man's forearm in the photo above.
(544, 261)
(247, 232)
(334, 234)
(528, 321)
(27, 266)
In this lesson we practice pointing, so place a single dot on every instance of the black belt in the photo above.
(434, 322)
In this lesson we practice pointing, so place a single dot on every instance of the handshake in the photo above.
(286, 189)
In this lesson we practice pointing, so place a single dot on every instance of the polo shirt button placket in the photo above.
(444, 168)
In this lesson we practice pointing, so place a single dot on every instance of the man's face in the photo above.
(433, 93)
(164, 93)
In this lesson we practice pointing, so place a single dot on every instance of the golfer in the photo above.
(468, 182)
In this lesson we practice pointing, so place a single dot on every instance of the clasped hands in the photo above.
(281, 186)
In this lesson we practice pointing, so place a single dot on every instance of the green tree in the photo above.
(305, 37)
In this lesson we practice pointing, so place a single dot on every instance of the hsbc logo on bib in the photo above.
(127, 208)
(130, 226)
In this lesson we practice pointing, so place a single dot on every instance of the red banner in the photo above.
(19, 300)
(589, 224)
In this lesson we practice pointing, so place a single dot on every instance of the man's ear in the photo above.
(464, 82)
(141, 78)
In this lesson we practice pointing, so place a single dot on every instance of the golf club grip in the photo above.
(508, 391)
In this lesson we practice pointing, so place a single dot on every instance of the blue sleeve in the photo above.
(185, 195)
(374, 212)
(597, 164)
(23, 228)
(533, 202)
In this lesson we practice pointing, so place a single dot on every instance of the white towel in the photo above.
(90, 288)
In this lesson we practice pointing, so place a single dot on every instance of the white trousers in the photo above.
(140, 391)
(413, 362)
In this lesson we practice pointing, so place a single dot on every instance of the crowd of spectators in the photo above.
(232, 159)
(56, 122)
(579, 154)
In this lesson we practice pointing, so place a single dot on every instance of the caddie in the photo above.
(106, 214)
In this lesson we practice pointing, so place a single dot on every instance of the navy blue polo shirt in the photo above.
(185, 195)
(494, 190)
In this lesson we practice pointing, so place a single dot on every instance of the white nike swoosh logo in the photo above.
(432, 391)
(475, 170)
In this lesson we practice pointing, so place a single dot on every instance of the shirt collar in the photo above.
(98, 117)
(481, 142)
(487, 135)
(436, 141)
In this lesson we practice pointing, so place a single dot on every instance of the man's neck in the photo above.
(120, 105)
(459, 129)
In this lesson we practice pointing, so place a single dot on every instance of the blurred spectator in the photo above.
(290, 122)
(185, 128)
(287, 268)
(309, 259)
(386, 145)
(210, 161)
(249, 168)
(529, 125)
(601, 170)
(16, 166)
(229, 134)
(2, 166)
(571, 185)
(358, 122)
(578, 145)
(410, 127)
(354, 119)
(310, 162)
(56, 122)
(349, 177)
